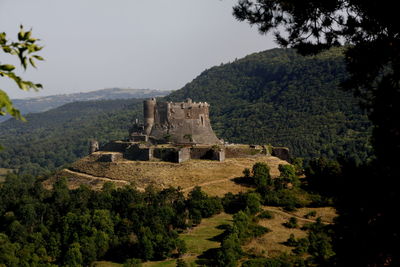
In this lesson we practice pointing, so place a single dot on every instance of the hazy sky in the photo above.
(96, 44)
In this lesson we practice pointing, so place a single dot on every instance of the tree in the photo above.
(8, 251)
(181, 263)
(73, 257)
(288, 174)
(366, 234)
(261, 175)
(253, 202)
(25, 50)
(230, 251)
(323, 175)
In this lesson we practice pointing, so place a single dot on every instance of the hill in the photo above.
(284, 99)
(41, 104)
(215, 178)
(59, 136)
(275, 97)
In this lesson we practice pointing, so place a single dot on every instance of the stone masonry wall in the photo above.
(183, 123)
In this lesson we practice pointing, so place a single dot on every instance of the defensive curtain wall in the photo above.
(177, 132)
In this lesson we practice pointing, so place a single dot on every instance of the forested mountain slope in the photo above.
(275, 97)
(59, 136)
(284, 99)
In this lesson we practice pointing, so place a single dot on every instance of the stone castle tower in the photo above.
(180, 123)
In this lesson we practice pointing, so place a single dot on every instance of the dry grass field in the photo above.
(271, 244)
(214, 177)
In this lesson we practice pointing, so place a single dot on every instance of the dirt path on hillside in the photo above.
(288, 214)
(272, 209)
(207, 183)
(92, 177)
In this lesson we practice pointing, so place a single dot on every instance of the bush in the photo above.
(230, 251)
(312, 213)
(290, 207)
(266, 262)
(324, 175)
(302, 246)
(181, 263)
(258, 230)
(200, 205)
(132, 263)
(246, 173)
(291, 242)
(261, 175)
(253, 202)
(292, 223)
(265, 215)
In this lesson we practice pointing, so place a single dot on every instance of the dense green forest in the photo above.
(284, 99)
(60, 136)
(62, 227)
(276, 97)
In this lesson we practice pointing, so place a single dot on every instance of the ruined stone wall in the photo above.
(183, 155)
(242, 152)
(116, 146)
(110, 157)
(207, 153)
(183, 123)
(136, 152)
(166, 154)
(201, 153)
(281, 152)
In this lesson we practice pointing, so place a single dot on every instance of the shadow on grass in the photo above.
(208, 257)
(221, 236)
(248, 182)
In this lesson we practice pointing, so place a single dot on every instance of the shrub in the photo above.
(266, 262)
(292, 223)
(290, 207)
(291, 242)
(261, 175)
(132, 263)
(265, 215)
(253, 202)
(181, 263)
(302, 246)
(246, 173)
(312, 213)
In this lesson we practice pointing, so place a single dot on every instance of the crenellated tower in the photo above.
(179, 122)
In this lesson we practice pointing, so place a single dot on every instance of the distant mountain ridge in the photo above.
(45, 103)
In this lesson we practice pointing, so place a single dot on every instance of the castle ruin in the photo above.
(178, 123)
(174, 132)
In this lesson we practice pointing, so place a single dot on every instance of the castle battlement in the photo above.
(177, 132)
(180, 122)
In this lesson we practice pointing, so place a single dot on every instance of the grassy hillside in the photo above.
(215, 178)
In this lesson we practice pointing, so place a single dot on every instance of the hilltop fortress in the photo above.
(177, 132)
(174, 145)
(179, 123)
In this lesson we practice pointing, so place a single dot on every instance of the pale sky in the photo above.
(96, 44)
